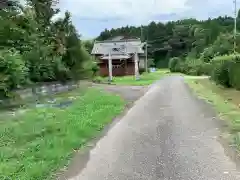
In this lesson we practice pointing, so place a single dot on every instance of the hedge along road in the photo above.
(168, 134)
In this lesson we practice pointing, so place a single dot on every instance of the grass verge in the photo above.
(145, 78)
(36, 144)
(225, 101)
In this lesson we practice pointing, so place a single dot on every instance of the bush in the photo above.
(234, 72)
(41, 63)
(174, 64)
(226, 70)
(220, 71)
(207, 54)
(196, 67)
(206, 69)
(90, 67)
(99, 79)
(192, 67)
(95, 69)
(13, 71)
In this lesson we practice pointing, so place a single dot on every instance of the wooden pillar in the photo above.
(146, 58)
(110, 67)
(136, 66)
(125, 64)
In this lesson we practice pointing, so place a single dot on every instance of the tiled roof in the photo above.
(116, 47)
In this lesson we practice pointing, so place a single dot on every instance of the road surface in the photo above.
(167, 135)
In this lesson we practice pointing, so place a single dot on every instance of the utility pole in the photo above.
(235, 24)
(146, 52)
(110, 66)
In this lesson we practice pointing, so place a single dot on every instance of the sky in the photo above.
(92, 16)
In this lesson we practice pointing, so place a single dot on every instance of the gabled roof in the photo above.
(118, 46)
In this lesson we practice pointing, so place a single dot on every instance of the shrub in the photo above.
(95, 69)
(226, 70)
(193, 67)
(207, 54)
(234, 72)
(174, 64)
(41, 64)
(13, 71)
(206, 69)
(220, 71)
(98, 79)
(190, 66)
(90, 68)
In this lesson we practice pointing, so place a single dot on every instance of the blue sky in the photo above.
(92, 16)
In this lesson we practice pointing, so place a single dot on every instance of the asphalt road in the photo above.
(167, 135)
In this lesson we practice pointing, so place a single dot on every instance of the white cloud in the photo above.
(202, 9)
(134, 11)
(92, 16)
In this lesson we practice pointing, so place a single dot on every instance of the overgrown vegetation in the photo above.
(35, 46)
(218, 60)
(205, 63)
(36, 144)
(225, 101)
(224, 70)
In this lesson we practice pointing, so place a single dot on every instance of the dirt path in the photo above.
(167, 135)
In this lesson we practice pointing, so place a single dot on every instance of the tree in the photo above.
(44, 50)
(44, 10)
(13, 71)
(88, 44)
(178, 38)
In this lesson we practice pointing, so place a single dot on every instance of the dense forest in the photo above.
(35, 46)
(192, 47)
(183, 38)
